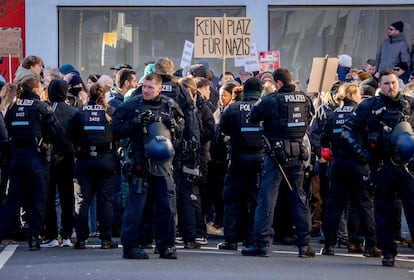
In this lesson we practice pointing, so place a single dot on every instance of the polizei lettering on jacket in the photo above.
(295, 98)
(93, 107)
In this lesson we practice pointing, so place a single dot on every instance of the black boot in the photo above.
(191, 245)
(169, 253)
(134, 253)
(227, 246)
(389, 258)
(80, 244)
(372, 252)
(108, 244)
(328, 250)
(258, 249)
(306, 252)
(34, 243)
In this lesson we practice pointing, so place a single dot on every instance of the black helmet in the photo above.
(158, 145)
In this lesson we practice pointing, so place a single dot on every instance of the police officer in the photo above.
(240, 190)
(285, 115)
(356, 189)
(187, 155)
(378, 116)
(95, 168)
(32, 126)
(154, 123)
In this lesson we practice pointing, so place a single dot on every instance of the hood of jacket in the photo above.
(58, 90)
(22, 73)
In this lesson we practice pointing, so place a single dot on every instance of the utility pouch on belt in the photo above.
(45, 149)
(137, 184)
(287, 149)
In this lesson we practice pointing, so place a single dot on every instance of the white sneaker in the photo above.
(50, 243)
(201, 240)
(179, 240)
(66, 243)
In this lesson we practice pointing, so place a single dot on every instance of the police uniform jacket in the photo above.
(244, 136)
(285, 114)
(377, 116)
(172, 89)
(30, 120)
(124, 126)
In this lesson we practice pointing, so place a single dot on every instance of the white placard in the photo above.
(251, 63)
(187, 54)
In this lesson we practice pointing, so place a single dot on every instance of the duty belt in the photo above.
(24, 142)
(94, 150)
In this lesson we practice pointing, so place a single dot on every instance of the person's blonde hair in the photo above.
(408, 90)
(190, 84)
(8, 96)
(346, 91)
(164, 66)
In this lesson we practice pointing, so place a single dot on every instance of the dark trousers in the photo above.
(350, 183)
(188, 209)
(161, 189)
(268, 193)
(28, 185)
(61, 179)
(389, 179)
(95, 175)
(240, 197)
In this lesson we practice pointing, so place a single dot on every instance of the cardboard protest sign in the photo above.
(323, 74)
(222, 37)
(10, 42)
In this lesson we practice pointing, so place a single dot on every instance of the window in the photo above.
(136, 35)
(301, 33)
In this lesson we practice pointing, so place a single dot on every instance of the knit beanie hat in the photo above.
(66, 68)
(345, 60)
(76, 79)
(266, 75)
(370, 82)
(399, 25)
(253, 84)
(150, 68)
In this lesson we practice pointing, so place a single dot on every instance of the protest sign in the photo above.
(323, 74)
(222, 37)
(269, 60)
(187, 54)
(10, 42)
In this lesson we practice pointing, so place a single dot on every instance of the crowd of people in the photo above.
(165, 157)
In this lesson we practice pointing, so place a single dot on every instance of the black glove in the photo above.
(361, 154)
(144, 119)
(170, 123)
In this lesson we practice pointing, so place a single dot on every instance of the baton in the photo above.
(279, 166)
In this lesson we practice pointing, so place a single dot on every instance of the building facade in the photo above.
(72, 31)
